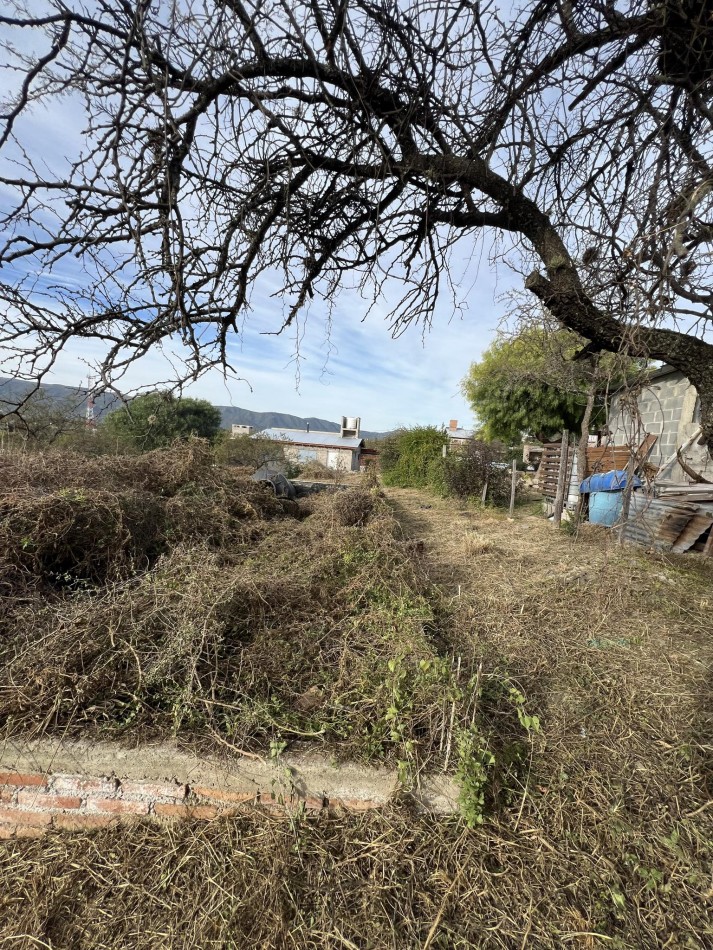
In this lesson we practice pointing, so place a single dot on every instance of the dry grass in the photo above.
(66, 520)
(387, 880)
(314, 629)
(612, 648)
(597, 825)
(611, 645)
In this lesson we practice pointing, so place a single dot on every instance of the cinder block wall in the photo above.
(666, 408)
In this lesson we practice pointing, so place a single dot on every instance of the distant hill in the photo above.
(12, 390)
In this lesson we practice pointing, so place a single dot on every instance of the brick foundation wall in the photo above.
(32, 803)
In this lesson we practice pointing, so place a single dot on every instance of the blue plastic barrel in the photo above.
(605, 507)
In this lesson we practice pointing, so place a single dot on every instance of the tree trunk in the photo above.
(584, 431)
(567, 301)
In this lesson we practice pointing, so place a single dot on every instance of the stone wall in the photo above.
(667, 408)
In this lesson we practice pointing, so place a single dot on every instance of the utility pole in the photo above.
(89, 419)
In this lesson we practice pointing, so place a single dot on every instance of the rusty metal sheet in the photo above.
(656, 522)
(697, 526)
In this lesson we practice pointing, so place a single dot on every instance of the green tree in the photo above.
(157, 419)
(409, 457)
(531, 385)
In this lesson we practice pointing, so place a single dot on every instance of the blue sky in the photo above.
(349, 365)
(330, 365)
(352, 367)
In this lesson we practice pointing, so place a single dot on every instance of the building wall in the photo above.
(345, 460)
(668, 408)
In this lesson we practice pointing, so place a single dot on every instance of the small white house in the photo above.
(337, 450)
(458, 436)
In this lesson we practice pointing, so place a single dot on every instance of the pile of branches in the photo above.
(283, 637)
(321, 629)
(68, 520)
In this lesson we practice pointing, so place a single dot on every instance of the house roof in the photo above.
(331, 440)
(655, 374)
(460, 433)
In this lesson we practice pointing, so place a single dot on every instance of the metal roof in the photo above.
(331, 440)
(460, 433)
(694, 530)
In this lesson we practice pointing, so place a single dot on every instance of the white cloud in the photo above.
(348, 366)
(354, 368)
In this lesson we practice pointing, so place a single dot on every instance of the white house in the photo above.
(338, 450)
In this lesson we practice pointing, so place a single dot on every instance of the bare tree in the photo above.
(231, 140)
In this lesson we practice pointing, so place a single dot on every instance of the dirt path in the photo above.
(610, 645)
(455, 537)
(445, 528)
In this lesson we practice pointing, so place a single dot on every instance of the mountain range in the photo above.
(12, 391)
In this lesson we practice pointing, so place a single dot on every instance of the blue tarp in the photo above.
(607, 481)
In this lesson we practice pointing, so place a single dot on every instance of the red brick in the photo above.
(77, 785)
(311, 804)
(19, 831)
(187, 811)
(16, 816)
(33, 799)
(223, 795)
(82, 822)
(26, 831)
(20, 778)
(154, 790)
(274, 806)
(116, 806)
(355, 804)
(293, 805)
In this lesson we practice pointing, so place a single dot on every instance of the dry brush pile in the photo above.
(567, 682)
(162, 596)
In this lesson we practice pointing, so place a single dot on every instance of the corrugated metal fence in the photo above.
(667, 525)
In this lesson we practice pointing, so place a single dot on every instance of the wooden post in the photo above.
(628, 488)
(485, 492)
(513, 483)
(561, 478)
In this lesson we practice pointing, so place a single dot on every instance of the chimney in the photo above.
(351, 426)
(453, 425)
